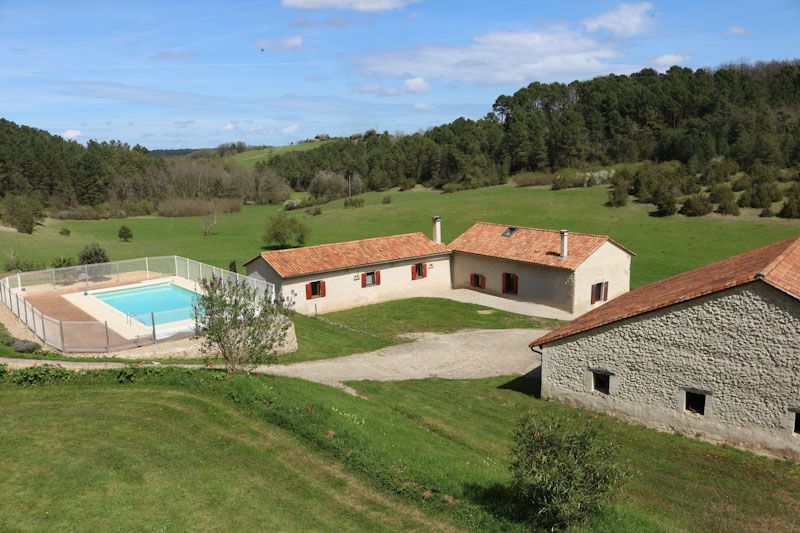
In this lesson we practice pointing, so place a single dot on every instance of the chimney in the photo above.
(437, 230)
(564, 243)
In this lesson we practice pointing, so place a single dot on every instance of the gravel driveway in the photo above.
(466, 354)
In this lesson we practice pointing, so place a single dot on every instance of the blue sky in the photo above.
(189, 74)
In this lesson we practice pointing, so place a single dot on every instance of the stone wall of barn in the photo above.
(740, 347)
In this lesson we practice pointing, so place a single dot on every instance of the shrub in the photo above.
(125, 234)
(728, 207)
(766, 213)
(562, 182)
(270, 187)
(533, 179)
(696, 205)
(18, 263)
(37, 375)
(64, 232)
(22, 212)
(314, 211)
(562, 474)
(665, 200)
(791, 207)
(3, 371)
(452, 187)
(285, 230)
(354, 201)
(330, 185)
(92, 254)
(387, 199)
(23, 346)
(618, 194)
(63, 261)
(195, 207)
(407, 184)
(721, 192)
(6, 339)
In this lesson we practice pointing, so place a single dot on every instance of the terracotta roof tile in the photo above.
(337, 256)
(529, 245)
(777, 264)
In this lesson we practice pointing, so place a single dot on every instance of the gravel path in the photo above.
(462, 355)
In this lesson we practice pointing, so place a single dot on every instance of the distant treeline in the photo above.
(746, 113)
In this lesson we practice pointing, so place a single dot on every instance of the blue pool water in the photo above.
(168, 302)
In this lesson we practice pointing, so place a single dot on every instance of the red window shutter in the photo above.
(515, 280)
(322, 289)
(308, 291)
(472, 280)
(377, 277)
(413, 271)
(505, 289)
(482, 281)
(605, 291)
(363, 280)
(594, 293)
(424, 270)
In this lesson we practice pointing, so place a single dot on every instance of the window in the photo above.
(368, 279)
(695, 402)
(510, 283)
(797, 423)
(510, 231)
(601, 381)
(600, 292)
(315, 289)
(419, 271)
(477, 281)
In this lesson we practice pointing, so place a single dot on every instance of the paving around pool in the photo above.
(112, 306)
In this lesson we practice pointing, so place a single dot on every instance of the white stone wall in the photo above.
(539, 284)
(608, 264)
(343, 287)
(741, 345)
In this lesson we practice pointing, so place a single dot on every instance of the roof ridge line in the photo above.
(348, 242)
(772, 265)
(542, 229)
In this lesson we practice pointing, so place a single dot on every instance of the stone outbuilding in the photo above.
(714, 351)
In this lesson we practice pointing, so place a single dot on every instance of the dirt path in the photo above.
(462, 355)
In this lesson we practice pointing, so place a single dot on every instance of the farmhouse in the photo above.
(570, 272)
(714, 351)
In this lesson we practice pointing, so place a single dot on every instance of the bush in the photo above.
(387, 199)
(452, 187)
(25, 265)
(3, 371)
(728, 207)
(62, 261)
(23, 346)
(354, 201)
(791, 207)
(37, 375)
(64, 232)
(330, 185)
(6, 339)
(270, 187)
(22, 212)
(285, 230)
(766, 213)
(407, 184)
(665, 200)
(533, 179)
(92, 254)
(314, 211)
(125, 234)
(562, 474)
(196, 207)
(696, 205)
(618, 194)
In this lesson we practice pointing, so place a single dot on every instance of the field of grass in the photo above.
(664, 246)
(249, 158)
(179, 450)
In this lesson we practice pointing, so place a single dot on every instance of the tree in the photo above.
(665, 200)
(696, 205)
(21, 212)
(285, 230)
(562, 474)
(791, 207)
(92, 254)
(63, 261)
(238, 323)
(125, 233)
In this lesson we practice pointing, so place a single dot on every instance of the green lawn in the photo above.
(176, 449)
(249, 158)
(664, 246)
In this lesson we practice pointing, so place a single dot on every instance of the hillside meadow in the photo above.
(249, 158)
(663, 245)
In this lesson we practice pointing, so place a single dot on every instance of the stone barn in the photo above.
(714, 351)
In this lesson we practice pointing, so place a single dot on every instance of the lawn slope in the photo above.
(249, 158)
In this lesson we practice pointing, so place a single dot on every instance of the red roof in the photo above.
(294, 262)
(777, 264)
(529, 245)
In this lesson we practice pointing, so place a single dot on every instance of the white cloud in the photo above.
(503, 57)
(368, 88)
(290, 129)
(669, 60)
(737, 30)
(290, 43)
(416, 85)
(230, 126)
(625, 20)
(421, 106)
(71, 134)
(368, 6)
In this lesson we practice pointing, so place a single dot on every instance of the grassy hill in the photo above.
(249, 158)
(664, 245)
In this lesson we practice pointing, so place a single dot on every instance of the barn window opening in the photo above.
(315, 289)
(600, 292)
(511, 230)
(477, 281)
(419, 271)
(510, 283)
(695, 402)
(369, 279)
(601, 382)
(797, 423)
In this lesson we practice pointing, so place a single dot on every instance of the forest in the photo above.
(734, 127)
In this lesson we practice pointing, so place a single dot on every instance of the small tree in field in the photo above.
(125, 233)
(238, 324)
(92, 254)
(285, 230)
(562, 474)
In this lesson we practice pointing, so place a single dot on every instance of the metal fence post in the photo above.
(108, 342)
(19, 281)
(86, 278)
(54, 278)
(147, 266)
(153, 322)
(61, 331)
(176, 265)
(117, 271)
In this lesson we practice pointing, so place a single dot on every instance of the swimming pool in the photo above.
(167, 302)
